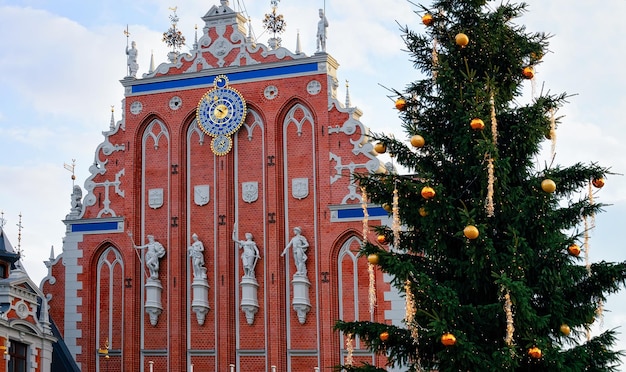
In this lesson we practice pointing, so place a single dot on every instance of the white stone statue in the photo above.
(250, 254)
(321, 32)
(76, 203)
(133, 66)
(196, 252)
(299, 245)
(155, 251)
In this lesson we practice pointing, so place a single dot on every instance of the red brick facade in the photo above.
(292, 131)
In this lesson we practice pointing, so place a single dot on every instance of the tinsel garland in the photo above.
(370, 267)
(494, 122)
(508, 310)
(435, 58)
(395, 227)
(489, 201)
(553, 132)
(409, 317)
(349, 349)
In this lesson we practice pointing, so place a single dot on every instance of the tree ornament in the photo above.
(534, 352)
(448, 339)
(427, 19)
(380, 147)
(598, 182)
(573, 250)
(477, 124)
(528, 72)
(461, 40)
(548, 185)
(428, 192)
(384, 336)
(565, 330)
(373, 258)
(401, 104)
(423, 212)
(418, 141)
(387, 207)
(382, 239)
(471, 232)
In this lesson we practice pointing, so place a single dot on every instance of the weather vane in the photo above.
(2, 220)
(19, 235)
(71, 169)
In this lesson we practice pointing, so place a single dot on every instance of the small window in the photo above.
(3, 271)
(17, 352)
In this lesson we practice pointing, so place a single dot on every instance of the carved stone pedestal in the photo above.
(249, 301)
(200, 303)
(153, 300)
(301, 303)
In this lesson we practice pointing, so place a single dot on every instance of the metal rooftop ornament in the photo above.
(276, 24)
(173, 37)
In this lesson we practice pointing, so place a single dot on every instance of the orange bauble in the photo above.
(381, 239)
(428, 192)
(423, 212)
(380, 147)
(373, 258)
(461, 39)
(387, 207)
(477, 124)
(448, 339)
(418, 141)
(471, 232)
(548, 185)
(384, 336)
(401, 104)
(528, 72)
(427, 19)
(565, 330)
(574, 250)
(598, 182)
(534, 352)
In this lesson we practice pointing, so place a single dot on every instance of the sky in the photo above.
(62, 61)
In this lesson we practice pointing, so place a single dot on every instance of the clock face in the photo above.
(221, 145)
(221, 111)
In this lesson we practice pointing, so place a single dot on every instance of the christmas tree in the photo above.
(486, 243)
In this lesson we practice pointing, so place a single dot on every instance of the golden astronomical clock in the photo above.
(220, 113)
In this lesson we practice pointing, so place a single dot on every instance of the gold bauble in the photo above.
(461, 39)
(565, 330)
(401, 104)
(373, 258)
(528, 72)
(381, 239)
(428, 192)
(548, 185)
(448, 339)
(387, 207)
(380, 147)
(471, 232)
(427, 19)
(534, 352)
(477, 124)
(384, 336)
(418, 141)
(573, 250)
(423, 212)
(598, 182)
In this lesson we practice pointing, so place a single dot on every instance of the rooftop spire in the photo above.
(348, 104)
(298, 47)
(112, 123)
